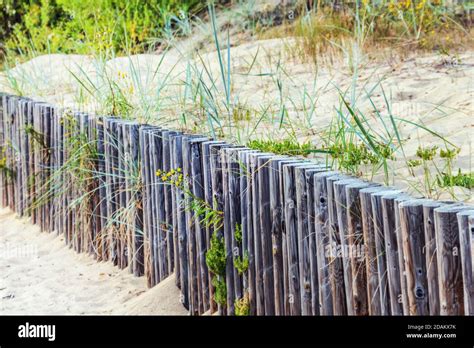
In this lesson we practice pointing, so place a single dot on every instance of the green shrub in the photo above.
(88, 26)
(460, 179)
(283, 147)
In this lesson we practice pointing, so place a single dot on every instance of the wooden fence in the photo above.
(288, 236)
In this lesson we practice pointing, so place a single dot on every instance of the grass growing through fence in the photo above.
(205, 100)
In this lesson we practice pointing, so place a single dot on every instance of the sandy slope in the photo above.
(40, 275)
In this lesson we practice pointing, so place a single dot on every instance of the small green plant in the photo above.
(241, 263)
(238, 233)
(242, 305)
(220, 293)
(428, 153)
(216, 262)
(283, 147)
(216, 255)
(460, 179)
(3, 163)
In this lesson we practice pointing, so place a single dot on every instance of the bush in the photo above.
(87, 26)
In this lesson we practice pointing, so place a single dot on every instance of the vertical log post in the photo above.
(451, 289)
(466, 242)
(413, 238)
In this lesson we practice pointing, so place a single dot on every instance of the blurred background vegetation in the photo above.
(85, 26)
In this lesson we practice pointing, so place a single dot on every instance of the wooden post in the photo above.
(451, 290)
(232, 208)
(216, 168)
(411, 222)
(338, 194)
(265, 232)
(168, 223)
(357, 247)
(394, 254)
(247, 224)
(329, 265)
(146, 203)
(255, 236)
(431, 254)
(310, 302)
(199, 228)
(377, 285)
(466, 242)
(382, 248)
(192, 183)
(284, 240)
(277, 232)
(208, 198)
(180, 205)
(291, 228)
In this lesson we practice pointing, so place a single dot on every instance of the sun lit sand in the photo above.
(41, 275)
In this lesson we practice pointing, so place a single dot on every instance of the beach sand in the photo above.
(41, 275)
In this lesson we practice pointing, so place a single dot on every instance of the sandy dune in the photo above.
(41, 275)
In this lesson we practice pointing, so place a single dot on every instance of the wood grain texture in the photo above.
(413, 239)
(451, 290)
(466, 242)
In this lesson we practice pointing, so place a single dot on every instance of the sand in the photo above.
(41, 275)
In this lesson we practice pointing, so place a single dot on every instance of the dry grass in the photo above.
(400, 26)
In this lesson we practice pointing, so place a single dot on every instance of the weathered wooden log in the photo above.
(255, 235)
(199, 225)
(2, 152)
(291, 228)
(411, 222)
(265, 232)
(431, 254)
(381, 249)
(175, 208)
(232, 223)
(146, 203)
(338, 194)
(466, 242)
(310, 302)
(357, 247)
(394, 253)
(208, 198)
(377, 284)
(218, 201)
(135, 195)
(287, 296)
(193, 181)
(247, 224)
(167, 168)
(111, 167)
(329, 266)
(451, 289)
(177, 146)
(276, 232)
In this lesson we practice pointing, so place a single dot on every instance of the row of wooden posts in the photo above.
(312, 241)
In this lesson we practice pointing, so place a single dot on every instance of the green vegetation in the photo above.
(216, 261)
(282, 147)
(89, 26)
(460, 179)
(9, 172)
(241, 263)
(242, 305)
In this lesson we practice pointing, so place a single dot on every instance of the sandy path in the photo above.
(39, 274)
